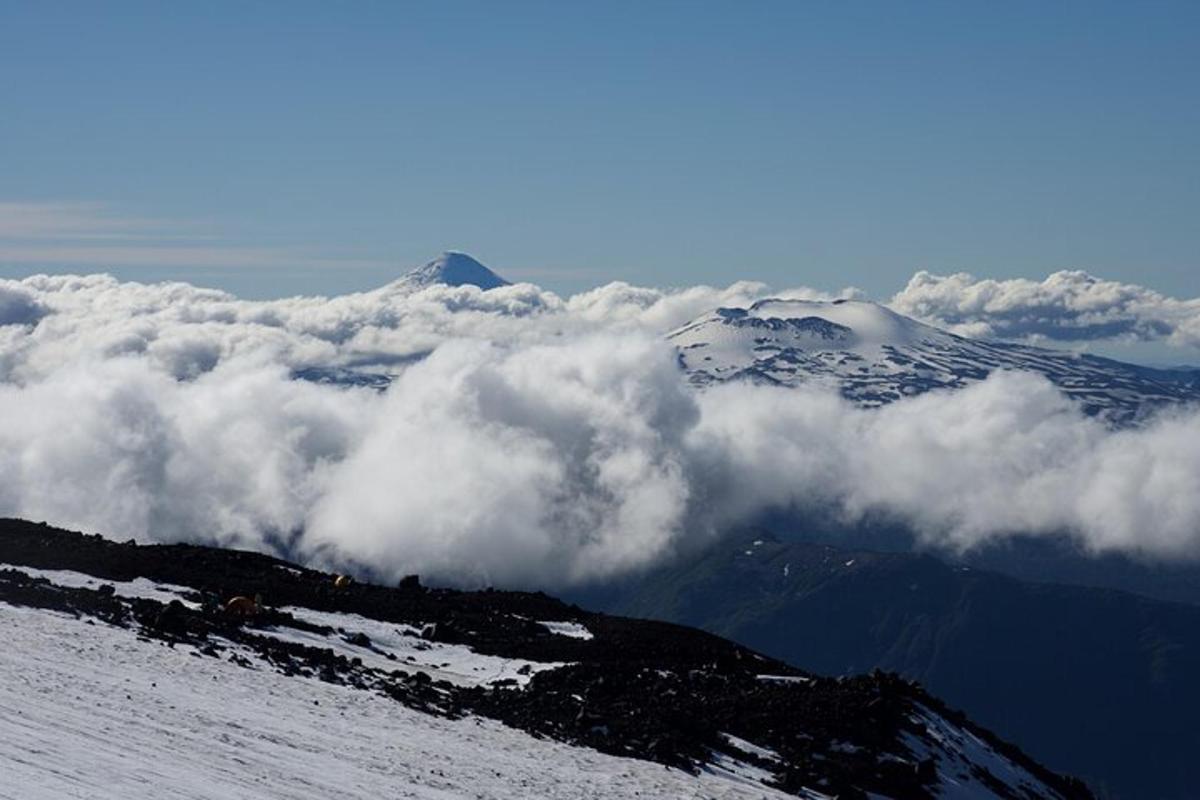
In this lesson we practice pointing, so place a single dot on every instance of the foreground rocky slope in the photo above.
(592, 695)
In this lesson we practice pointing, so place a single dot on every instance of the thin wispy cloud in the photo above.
(173, 255)
(76, 221)
(93, 235)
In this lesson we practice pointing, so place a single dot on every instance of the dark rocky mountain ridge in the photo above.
(1094, 681)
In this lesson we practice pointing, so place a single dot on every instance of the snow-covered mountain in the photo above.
(869, 353)
(127, 671)
(453, 269)
(873, 356)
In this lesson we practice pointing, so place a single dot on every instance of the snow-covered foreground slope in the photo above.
(874, 356)
(91, 711)
(124, 679)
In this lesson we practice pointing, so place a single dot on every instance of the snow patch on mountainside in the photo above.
(573, 630)
(968, 765)
(91, 711)
(138, 587)
(388, 646)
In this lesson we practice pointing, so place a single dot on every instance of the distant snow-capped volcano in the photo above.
(454, 269)
(874, 356)
(867, 352)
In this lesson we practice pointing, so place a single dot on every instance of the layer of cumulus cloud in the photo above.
(186, 331)
(526, 439)
(1068, 306)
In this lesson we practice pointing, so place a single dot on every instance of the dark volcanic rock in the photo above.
(640, 689)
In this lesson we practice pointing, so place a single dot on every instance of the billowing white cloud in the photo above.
(1067, 306)
(527, 440)
(1007, 455)
(550, 463)
(187, 330)
(18, 306)
(234, 457)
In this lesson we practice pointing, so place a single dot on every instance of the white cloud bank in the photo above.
(543, 441)
(1068, 306)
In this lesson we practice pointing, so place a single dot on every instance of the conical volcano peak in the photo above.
(455, 269)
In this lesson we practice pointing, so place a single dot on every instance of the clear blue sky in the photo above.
(275, 148)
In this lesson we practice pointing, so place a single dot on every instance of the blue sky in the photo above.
(278, 148)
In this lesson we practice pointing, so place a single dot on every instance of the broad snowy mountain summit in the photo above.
(874, 356)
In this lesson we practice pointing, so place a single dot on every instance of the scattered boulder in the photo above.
(241, 607)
